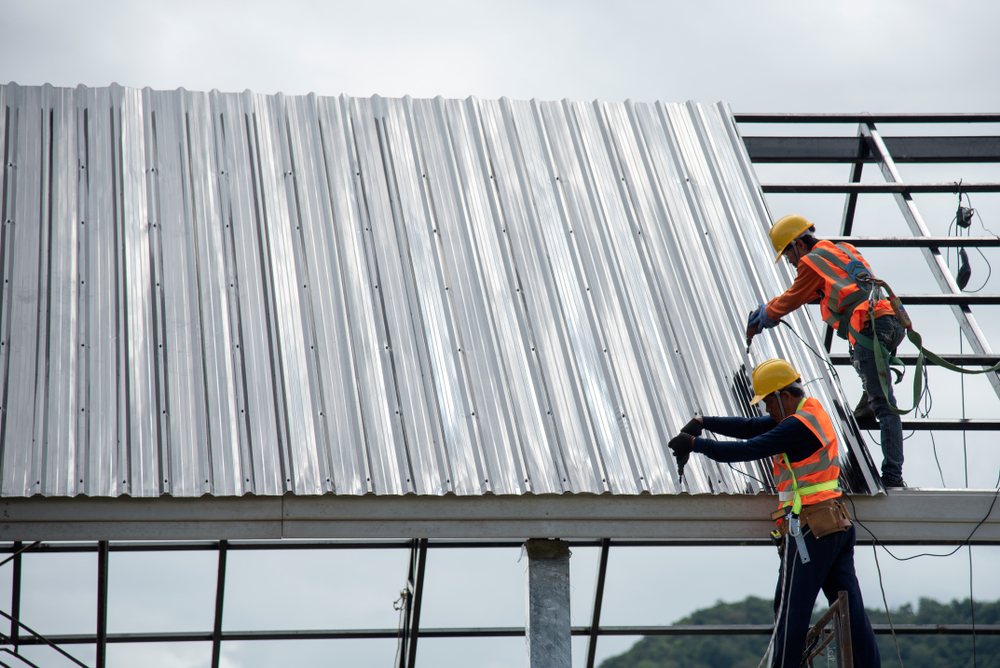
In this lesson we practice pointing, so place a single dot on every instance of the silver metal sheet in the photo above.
(224, 294)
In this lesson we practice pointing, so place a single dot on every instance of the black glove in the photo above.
(682, 445)
(693, 427)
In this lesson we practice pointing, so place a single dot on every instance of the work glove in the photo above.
(694, 428)
(682, 444)
(758, 322)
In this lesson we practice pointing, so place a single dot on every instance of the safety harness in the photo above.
(870, 290)
(791, 501)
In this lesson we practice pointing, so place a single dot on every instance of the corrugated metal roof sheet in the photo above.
(234, 293)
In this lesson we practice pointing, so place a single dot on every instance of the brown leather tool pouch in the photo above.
(826, 517)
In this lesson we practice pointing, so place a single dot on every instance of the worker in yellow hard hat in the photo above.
(815, 532)
(834, 274)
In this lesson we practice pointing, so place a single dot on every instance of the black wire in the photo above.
(936, 460)
(927, 554)
(821, 358)
(985, 229)
(885, 602)
(766, 485)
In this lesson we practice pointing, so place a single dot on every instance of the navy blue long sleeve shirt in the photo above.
(761, 437)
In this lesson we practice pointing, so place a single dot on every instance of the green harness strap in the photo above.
(870, 290)
(882, 354)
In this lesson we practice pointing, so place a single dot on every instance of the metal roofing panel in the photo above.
(241, 293)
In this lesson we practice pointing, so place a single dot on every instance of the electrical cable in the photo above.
(885, 602)
(928, 554)
(958, 233)
(787, 595)
(821, 358)
(936, 460)
(400, 604)
(781, 605)
(744, 473)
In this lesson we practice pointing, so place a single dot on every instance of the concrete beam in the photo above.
(913, 514)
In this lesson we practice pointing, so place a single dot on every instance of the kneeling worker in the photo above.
(817, 534)
(823, 270)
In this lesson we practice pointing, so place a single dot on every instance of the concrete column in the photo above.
(547, 633)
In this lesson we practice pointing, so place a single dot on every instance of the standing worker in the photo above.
(817, 536)
(827, 271)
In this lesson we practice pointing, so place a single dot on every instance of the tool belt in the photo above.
(823, 518)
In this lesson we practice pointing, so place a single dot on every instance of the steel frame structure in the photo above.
(410, 630)
(869, 146)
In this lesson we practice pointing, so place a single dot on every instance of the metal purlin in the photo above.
(963, 314)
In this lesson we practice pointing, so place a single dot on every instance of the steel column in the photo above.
(595, 619)
(418, 597)
(15, 595)
(847, 219)
(966, 321)
(407, 596)
(851, 203)
(548, 630)
(102, 603)
(220, 592)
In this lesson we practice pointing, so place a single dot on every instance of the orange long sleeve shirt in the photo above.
(807, 287)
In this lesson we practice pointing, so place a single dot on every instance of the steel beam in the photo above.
(220, 596)
(826, 150)
(910, 360)
(102, 603)
(966, 321)
(866, 118)
(870, 188)
(490, 632)
(938, 425)
(918, 242)
(595, 619)
(952, 299)
(682, 516)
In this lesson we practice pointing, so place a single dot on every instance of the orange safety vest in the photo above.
(814, 478)
(840, 293)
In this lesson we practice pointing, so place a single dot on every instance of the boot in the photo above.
(864, 411)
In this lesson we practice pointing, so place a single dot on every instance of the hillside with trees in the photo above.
(918, 651)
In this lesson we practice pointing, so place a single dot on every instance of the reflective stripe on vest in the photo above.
(816, 476)
(842, 294)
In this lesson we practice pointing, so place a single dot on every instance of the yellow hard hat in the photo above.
(771, 376)
(786, 230)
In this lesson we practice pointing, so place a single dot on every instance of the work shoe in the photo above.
(893, 483)
(864, 411)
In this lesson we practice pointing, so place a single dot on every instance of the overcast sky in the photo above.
(764, 55)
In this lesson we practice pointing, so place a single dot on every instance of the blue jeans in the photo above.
(831, 568)
(891, 334)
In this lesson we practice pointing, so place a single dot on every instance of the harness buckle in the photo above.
(795, 531)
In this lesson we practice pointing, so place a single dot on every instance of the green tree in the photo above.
(917, 651)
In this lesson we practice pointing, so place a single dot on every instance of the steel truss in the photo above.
(410, 629)
(869, 146)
